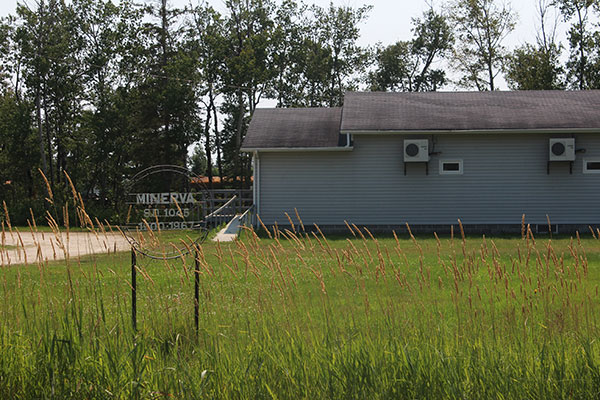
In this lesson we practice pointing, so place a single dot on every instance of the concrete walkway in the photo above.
(230, 232)
(31, 248)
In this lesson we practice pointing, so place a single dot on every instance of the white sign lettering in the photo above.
(164, 198)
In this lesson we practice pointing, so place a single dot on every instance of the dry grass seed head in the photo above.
(7, 217)
(291, 222)
(462, 230)
(299, 220)
(264, 227)
(128, 218)
(350, 228)
(359, 231)
(73, 191)
(48, 188)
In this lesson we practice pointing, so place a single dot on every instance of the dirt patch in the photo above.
(31, 248)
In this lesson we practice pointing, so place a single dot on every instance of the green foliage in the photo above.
(206, 42)
(535, 68)
(20, 184)
(337, 30)
(481, 27)
(197, 161)
(583, 67)
(5, 50)
(407, 66)
(394, 69)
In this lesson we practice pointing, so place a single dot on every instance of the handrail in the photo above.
(245, 214)
(218, 210)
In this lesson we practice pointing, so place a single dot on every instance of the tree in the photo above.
(248, 74)
(291, 55)
(19, 158)
(337, 30)
(206, 41)
(166, 117)
(5, 50)
(537, 67)
(197, 161)
(583, 67)
(316, 56)
(534, 68)
(30, 37)
(103, 151)
(481, 26)
(407, 66)
(394, 69)
(49, 47)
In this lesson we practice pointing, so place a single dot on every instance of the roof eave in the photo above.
(469, 131)
(293, 149)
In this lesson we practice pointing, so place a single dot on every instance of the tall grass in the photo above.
(295, 314)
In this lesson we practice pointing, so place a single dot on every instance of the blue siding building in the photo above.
(430, 159)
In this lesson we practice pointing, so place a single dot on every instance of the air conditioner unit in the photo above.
(416, 150)
(562, 149)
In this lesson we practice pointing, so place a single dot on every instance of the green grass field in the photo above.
(300, 316)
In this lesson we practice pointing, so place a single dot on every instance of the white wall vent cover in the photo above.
(562, 149)
(416, 150)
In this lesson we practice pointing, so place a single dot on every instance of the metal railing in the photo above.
(223, 214)
(215, 199)
(246, 217)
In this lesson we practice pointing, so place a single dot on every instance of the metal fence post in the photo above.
(196, 292)
(133, 290)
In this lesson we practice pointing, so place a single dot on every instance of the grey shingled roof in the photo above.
(443, 111)
(435, 111)
(293, 128)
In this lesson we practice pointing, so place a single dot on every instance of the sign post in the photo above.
(196, 291)
(133, 291)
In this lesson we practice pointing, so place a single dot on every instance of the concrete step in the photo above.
(230, 232)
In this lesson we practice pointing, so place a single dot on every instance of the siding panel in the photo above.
(504, 177)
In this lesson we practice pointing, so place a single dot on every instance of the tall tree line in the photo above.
(100, 89)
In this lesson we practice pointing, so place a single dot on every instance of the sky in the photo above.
(390, 20)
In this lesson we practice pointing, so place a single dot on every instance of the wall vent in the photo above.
(544, 229)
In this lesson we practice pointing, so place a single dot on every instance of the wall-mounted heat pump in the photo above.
(562, 149)
(416, 150)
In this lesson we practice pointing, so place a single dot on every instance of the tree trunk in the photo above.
(207, 148)
(581, 51)
(218, 142)
(38, 110)
(49, 146)
(167, 113)
(18, 80)
(61, 157)
(491, 75)
(238, 138)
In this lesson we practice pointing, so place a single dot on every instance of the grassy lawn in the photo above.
(301, 316)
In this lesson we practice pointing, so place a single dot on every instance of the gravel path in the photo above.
(31, 248)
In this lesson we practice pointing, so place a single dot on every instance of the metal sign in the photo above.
(164, 198)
